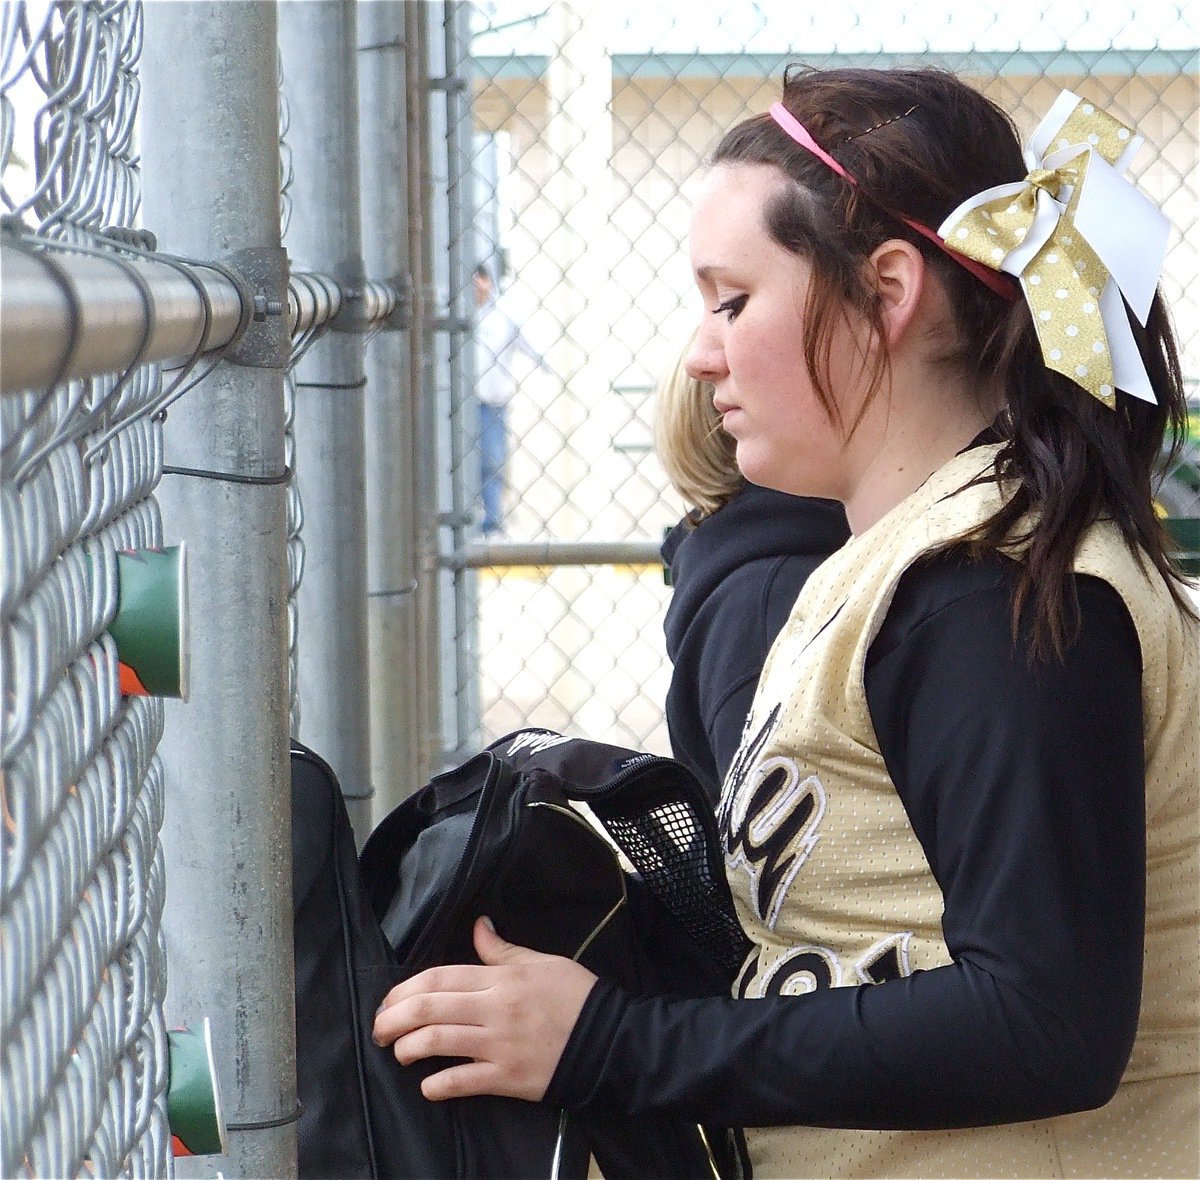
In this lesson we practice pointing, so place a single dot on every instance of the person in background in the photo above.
(737, 561)
(499, 339)
(962, 829)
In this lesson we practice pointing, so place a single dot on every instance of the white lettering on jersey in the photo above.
(887, 959)
(801, 970)
(773, 822)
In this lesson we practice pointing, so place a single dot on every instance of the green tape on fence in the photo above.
(151, 626)
(194, 1110)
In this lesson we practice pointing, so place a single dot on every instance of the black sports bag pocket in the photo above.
(362, 1113)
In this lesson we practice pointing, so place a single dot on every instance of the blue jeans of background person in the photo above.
(493, 452)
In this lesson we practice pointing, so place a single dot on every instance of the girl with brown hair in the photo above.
(962, 827)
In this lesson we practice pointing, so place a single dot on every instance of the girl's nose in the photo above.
(705, 360)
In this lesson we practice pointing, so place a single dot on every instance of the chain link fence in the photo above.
(108, 798)
(592, 121)
(84, 1063)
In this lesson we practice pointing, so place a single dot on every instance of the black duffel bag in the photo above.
(631, 885)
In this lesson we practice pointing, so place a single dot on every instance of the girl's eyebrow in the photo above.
(708, 273)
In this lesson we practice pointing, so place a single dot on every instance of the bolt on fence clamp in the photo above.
(265, 338)
(264, 307)
(351, 277)
(400, 317)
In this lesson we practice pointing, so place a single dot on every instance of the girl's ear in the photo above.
(900, 276)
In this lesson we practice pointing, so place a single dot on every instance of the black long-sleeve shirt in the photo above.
(1025, 786)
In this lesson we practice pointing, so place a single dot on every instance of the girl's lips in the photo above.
(729, 417)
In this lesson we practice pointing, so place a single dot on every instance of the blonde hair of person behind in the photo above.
(700, 459)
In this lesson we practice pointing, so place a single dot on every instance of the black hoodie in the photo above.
(736, 576)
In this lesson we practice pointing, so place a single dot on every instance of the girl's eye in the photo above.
(731, 307)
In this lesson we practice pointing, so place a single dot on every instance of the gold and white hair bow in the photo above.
(1079, 236)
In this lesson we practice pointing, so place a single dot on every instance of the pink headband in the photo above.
(993, 279)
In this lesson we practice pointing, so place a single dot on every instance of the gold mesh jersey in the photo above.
(851, 899)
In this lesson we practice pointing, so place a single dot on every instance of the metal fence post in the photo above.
(456, 439)
(397, 765)
(318, 50)
(423, 370)
(462, 218)
(210, 151)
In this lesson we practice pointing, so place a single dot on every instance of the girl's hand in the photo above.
(511, 1016)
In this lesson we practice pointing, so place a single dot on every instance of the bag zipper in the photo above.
(575, 817)
(498, 774)
(708, 1151)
